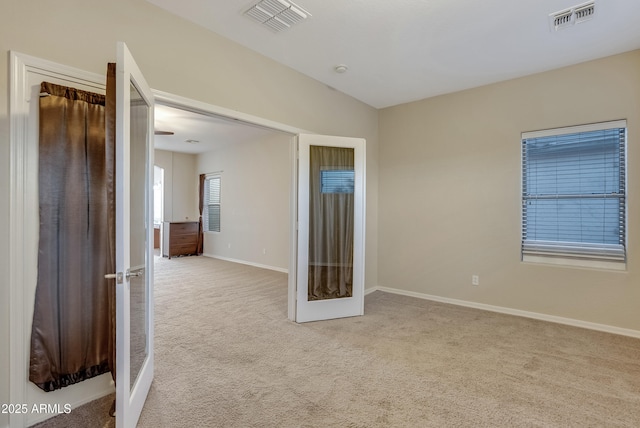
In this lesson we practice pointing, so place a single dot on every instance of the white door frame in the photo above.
(132, 388)
(318, 310)
(22, 160)
(183, 103)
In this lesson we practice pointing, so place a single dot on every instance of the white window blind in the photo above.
(211, 209)
(337, 180)
(573, 192)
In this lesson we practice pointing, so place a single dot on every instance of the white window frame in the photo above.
(566, 253)
(206, 227)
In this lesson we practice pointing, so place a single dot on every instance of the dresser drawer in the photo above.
(183, 228)
(184, 239)
(183, 250)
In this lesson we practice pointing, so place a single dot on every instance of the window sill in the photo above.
(575, 262)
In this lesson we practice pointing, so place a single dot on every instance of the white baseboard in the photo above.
(517, 312)
(244, 262)
(370, 290)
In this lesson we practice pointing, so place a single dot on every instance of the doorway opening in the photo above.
(255, 161)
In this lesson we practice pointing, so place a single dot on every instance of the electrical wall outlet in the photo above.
(475, 280)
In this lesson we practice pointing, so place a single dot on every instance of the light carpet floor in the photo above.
(226, 356)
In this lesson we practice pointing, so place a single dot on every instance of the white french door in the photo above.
(134, 239)
(331, 226)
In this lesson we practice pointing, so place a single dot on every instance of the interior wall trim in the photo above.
(177, 101)
(517, 312)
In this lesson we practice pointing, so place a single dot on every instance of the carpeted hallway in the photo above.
(226, 356)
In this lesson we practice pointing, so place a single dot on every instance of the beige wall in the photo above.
(255, 188)
(180, 185)
(450, 193)
(179, 58)
(185, 190)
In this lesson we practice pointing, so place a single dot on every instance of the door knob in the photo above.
(119, 277)
(135, 272)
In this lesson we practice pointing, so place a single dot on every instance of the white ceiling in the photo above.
(401, 50)
(404, 50)
(210, 132)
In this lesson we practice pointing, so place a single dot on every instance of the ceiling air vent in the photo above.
(585, 12)
(562, 19)
(574, 15)
(277, 15)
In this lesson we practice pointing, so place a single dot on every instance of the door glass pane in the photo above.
(331, 221)
(138, 232)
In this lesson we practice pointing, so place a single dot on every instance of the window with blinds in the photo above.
(211, 208)
(337, 180)
(573, 192)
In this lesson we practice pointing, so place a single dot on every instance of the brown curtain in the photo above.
(71, 336)
(201, 207)
(110, 154)
(331, 222)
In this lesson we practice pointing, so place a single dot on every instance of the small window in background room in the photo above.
(573, 195)
(211, 208)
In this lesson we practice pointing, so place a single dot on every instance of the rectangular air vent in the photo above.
(277, 15)
(585, 12)
(562, 19)
(574, 15)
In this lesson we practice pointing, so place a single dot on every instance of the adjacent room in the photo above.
(495, 253)
(249, 165)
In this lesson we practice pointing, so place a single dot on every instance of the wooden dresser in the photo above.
(180, 238)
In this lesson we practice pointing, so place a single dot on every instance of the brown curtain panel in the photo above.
(71, 336)
(110, 155)
(201, 207)
(331, 222)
